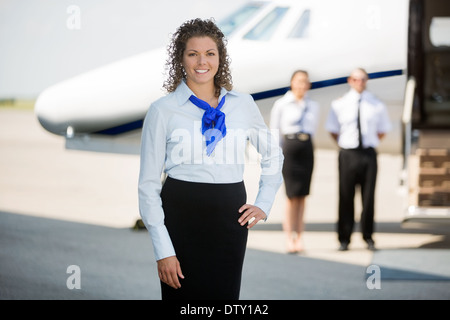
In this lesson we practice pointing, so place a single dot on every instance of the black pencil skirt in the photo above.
(298, 165)
(210, 244)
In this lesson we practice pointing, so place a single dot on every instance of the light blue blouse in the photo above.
(172, 144)
(289, 115)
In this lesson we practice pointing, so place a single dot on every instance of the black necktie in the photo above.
(360, 144)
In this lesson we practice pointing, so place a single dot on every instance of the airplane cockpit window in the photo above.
(301, 28)
(238, 18)
(267, 26)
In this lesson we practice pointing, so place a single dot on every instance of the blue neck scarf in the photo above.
(213, 122)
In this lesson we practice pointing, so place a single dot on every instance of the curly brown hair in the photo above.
(197, 28)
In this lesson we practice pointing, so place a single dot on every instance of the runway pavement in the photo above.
(61, 208)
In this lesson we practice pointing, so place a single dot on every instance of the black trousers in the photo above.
(357, 167)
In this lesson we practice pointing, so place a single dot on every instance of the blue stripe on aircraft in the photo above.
(323, 84)
(258, 96)
(122, 128)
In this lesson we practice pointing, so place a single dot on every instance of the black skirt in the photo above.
(202, 220)
(298, 165)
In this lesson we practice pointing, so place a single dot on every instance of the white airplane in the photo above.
(103, 110)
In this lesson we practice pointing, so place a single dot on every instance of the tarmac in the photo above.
(61, 208)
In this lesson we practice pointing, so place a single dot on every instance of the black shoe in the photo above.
(370, 245)
(344, 246)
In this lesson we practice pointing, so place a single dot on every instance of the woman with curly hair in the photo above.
(198, 217)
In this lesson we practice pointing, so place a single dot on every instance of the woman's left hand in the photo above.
(248, 212)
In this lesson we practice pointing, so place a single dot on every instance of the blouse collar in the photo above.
(290, 97)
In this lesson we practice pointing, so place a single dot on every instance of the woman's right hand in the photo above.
(169, 270)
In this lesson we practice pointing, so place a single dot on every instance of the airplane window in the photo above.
(300, 29)
(238, 18)
(440, 31)
(266, 27)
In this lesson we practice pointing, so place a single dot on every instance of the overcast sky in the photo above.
(43, 42)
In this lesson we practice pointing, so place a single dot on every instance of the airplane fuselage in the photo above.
(326, 38)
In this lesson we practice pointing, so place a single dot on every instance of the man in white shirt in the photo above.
(357, 121)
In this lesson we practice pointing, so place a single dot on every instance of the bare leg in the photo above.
(300, 224)
(293, 223)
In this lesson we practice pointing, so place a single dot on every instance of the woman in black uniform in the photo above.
(296, 116)
(197, 134)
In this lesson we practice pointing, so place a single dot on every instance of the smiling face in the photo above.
(200, 61)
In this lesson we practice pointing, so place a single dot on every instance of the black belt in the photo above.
(302, 136)
(358, 149)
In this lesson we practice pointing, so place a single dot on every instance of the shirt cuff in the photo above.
(162, 244)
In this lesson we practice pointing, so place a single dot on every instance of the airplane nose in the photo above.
(51, 109)
(103, 98)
